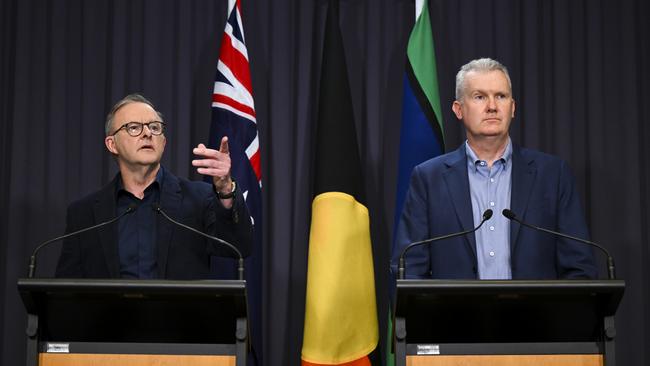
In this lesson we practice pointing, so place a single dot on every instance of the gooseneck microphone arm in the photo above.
(32, 259)
(611, 269)
(402, 263)
(240, 262)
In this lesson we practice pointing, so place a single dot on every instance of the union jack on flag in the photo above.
(233, 115)
(233, 108)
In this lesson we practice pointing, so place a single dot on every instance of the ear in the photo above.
(513, 108)
(109, 141)
(458, 111)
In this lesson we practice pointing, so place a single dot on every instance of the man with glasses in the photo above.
(143, 244)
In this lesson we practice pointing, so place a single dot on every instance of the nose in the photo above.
(492, 104)
(146, 131)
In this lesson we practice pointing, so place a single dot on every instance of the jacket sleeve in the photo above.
(232, 225)
(69, 264)
(574, 260)
(413, 226)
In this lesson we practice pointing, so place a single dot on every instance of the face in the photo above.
(487, 107)
(143, 150)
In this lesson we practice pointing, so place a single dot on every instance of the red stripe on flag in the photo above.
(220, 98)
(236, 62)
(255, 163)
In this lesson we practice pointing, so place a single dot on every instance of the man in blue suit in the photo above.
(143, 244)
(449, 194)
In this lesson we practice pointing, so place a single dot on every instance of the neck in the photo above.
(488, 149)
(137, 178)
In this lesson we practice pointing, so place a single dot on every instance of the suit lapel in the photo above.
(524, 172)
(170, 202)
(104, 210)
(457, 183)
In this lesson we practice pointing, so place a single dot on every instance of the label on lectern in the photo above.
(58, 347)
(428, 349)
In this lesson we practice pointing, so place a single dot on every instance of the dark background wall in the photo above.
(580, 75)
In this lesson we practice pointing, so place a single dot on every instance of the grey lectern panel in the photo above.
(128, 316)
(476, 317)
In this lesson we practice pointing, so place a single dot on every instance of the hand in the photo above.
(215, 164)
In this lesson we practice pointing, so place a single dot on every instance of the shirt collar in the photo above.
(473, 160)
(157, 183)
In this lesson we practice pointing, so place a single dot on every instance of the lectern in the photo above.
(135, 322)
(453, 322)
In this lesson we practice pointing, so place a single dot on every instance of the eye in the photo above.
(156, 127)
(479, 97)
(133, 127)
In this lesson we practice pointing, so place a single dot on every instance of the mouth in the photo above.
(492, 120)
(146, 147)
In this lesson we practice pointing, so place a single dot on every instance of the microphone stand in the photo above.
(611, 269)
(32, 259)
(402, 263)
(240, 261)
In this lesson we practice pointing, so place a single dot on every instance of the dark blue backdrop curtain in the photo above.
(580, 75)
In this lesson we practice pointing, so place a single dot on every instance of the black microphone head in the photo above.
(132, 207)
(487, 214)
(155, 206)
(509, 214)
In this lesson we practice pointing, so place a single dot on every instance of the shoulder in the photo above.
(540, 159)
(88, 201)
(443, 162)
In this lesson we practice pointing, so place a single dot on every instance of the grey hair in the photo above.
(478, 65)
(131, 98)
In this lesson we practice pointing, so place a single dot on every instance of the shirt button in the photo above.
(492, 180)
(482, 163)
(492, 204)
(491, 254)
(492, 228)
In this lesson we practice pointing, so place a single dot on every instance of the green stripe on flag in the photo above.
(422, 56)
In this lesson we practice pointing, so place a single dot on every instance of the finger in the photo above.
(207, 153)
(199, 149)
(224, 146)
(220, 174)
(211, 163)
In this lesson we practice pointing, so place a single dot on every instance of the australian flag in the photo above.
(233, 115)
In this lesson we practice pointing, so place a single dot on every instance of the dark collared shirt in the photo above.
(137, 231)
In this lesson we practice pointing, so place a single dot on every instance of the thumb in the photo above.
(224, 146)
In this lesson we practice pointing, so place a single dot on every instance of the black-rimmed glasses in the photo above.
(135, 128)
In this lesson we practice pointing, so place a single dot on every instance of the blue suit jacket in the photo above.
(542, 193)
(180, 254)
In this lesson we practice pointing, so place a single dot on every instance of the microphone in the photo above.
(402, 263)
(32, 259)
(611, 269)
(240, 264)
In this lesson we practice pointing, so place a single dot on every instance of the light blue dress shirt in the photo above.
(490, 189)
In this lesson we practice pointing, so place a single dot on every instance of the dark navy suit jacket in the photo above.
(543, 193)
(180, 253)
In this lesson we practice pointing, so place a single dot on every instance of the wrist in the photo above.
(226, 193)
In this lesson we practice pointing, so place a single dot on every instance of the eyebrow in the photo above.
(483, 91)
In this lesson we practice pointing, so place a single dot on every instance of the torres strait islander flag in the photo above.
(340, 310)
(233, 115)
(421, 134)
